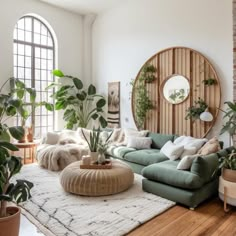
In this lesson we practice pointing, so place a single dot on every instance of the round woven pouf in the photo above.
(97, 182)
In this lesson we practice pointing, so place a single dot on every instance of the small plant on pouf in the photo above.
(11, 192)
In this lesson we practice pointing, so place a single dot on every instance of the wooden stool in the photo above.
(32, 150)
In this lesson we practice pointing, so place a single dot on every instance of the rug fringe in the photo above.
(34, 221)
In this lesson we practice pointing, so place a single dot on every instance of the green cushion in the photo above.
(145, 156)
(166, 172)
(205, 167)
(119, 151)
(158, 140)
(187, 197)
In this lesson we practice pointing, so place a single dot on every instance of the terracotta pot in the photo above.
(24, 138)
(30, 135)
(229, 175)
(9, 226)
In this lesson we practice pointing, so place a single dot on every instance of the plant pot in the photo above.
(101, 158)
(94, 156)
(30, 135)
(24, 138)
(229, 175)
(9, 226)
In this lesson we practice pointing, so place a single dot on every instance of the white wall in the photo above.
(125, 37)
(67, 26)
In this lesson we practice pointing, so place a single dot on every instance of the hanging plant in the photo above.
(194, 112)
(148, 73)
(142, 101)
(209, 81)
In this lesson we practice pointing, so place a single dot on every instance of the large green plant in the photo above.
(230, 115)
(142, 101)
(9, 166)
(80, 105)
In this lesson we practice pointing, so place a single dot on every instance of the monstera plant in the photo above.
(80, 105)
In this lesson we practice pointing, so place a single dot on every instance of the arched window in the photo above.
(34, 60)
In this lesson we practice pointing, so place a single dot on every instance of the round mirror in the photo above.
(176, 89)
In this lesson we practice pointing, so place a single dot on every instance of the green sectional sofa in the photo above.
(161, 177)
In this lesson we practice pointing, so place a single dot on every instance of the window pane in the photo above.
(15, 33)
(50, 54)
(21, 61)
(37, 63)
(21, 49)
(37, 52)
(37, 75)
(28, 23)
(50, 42)
(28, 50)
(44, 40)
(28, 37)
(50, 65)
(44, 30)
(44, 53)
(44, 64)
(43, 75)
(37, 38)
(28, 73)
(36, 26)
(21, 24)
(21, 73)
(28, 62)
(21, 35)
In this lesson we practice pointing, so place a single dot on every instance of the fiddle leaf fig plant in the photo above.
(80, 105)
(9, 191)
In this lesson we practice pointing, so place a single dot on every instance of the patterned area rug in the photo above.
(57, 213)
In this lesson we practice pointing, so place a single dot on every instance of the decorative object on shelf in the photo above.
(169, 116)
(141, 95)
(230, 115)
(209, 82)
(80, 105)
(195, 111)
(9, 191)
(113, 118)
(206, 116)
(175, 89)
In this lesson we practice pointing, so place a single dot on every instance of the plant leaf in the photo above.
(91, 90)
(78, 83)
(103, 122)
(101, 103)
(58, 73)
(17, 132)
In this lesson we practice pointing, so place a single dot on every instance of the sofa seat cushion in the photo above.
(119, 151)
(166, 172)
(158, 140)
(145, 157)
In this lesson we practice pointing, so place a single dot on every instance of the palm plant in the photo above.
(80, 105)
(9, 166)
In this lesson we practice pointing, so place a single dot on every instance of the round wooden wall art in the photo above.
(182, 78)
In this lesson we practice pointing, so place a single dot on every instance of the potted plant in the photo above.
(102, 148)
(9, 191)
(93, 143)
(81, 105)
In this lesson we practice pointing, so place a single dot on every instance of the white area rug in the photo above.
(58, 213)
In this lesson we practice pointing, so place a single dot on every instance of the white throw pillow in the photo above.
(189, 141)
(67, 135)
(134, 133)
(186, 162)
(139, 142)
(172, 151)
(52, 138)
(188, 151)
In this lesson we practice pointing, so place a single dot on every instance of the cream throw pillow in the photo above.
(134, 133)
(52, 138)
(172, 151)
(139, 142)
(211, 146)
(189, 141)
(188, 151)
(186, 162)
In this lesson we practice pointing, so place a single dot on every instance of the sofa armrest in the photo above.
(205, 167)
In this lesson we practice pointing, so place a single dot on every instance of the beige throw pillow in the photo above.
(139, 142)
(134, 133)
(186, 162)
(188, 151)
(211, 146)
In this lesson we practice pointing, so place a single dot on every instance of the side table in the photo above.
(227, 193)
(31, 146)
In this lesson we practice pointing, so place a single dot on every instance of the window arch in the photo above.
(34, 60)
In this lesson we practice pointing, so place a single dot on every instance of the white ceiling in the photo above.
(84, 6)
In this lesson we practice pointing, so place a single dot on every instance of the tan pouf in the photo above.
(97, 182)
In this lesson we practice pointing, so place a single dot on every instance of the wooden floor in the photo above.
(207, 219)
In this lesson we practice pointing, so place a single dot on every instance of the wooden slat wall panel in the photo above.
(168, 118)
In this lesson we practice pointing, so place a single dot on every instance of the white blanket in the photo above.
(57, 157)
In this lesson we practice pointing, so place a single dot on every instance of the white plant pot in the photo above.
(94, 156)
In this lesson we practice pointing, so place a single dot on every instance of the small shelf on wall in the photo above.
(167, 117)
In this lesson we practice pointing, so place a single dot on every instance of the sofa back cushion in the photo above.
(159, 140)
